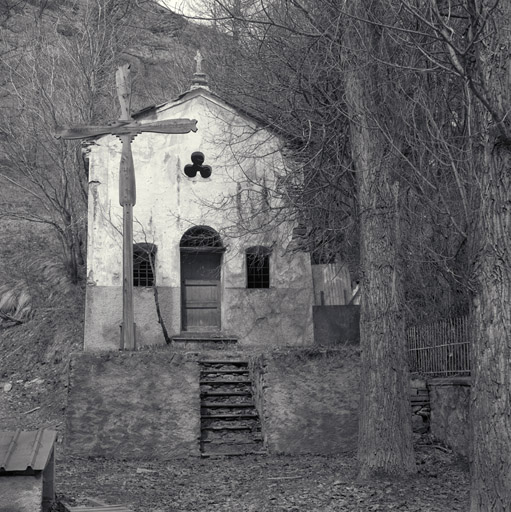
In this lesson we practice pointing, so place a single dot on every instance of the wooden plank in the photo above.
(97, 508)
(171, 126)
(201, 303)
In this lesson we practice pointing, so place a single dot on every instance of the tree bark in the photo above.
(491, 386)
(385, 433)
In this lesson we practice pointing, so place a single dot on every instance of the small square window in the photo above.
(143, 264)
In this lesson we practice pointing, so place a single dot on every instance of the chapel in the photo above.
(211, 236)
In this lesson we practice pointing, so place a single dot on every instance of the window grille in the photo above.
(143, 264)
(258, 267)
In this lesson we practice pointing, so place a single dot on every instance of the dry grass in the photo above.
(15, 303)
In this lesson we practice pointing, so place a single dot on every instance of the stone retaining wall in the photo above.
(146, 405)
(421, 407)
(133, 405)
(450, 398)
(308, 400)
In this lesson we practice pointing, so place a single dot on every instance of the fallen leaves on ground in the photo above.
(264, 483)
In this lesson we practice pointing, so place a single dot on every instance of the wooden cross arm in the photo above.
(128, 128)
(82, 132)
(170, 126)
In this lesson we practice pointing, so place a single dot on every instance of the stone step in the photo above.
(226, 393)
(236, 362)
(232, 454)
(230, 423)
(243, 387)
(252, 422)
(226, 405)
(217, 443)
(225, 416)
(210, 382)
(203, 342)
(224, 372)
(226, 400)
(215, 428)
(204, 337)
(208, 412)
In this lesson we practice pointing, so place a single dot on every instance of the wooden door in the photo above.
(200, 285)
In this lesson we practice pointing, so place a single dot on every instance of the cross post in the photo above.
(126, 129)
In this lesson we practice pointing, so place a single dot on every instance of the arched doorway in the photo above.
(201, 259)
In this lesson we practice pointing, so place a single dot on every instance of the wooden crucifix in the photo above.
(126, 128)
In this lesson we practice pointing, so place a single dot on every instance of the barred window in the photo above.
(143, 264)
(258, 267)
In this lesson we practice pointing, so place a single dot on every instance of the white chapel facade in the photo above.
(204, 233)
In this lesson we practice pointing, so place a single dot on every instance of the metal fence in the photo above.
(442, 348)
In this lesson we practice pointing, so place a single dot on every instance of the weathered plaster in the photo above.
(269, 317)
(308, 400)
(137, 405)
(103, 316)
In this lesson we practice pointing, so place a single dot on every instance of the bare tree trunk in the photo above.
(161, 321)
(491, 387)
(385, 433)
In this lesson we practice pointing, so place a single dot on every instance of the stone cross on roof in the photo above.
(199, 79)
(198, 59)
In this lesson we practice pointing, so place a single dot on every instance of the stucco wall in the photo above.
(269, 317)
(262, 317)
(308, 400)
(133, 405)
(169, 202)
(103, 316)
(450, 399)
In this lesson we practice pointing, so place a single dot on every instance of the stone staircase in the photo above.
(230, 423)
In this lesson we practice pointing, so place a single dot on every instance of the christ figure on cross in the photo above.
(126, 128)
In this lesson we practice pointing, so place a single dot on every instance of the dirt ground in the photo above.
(264, 483)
